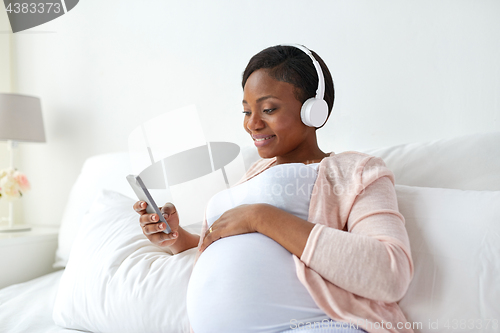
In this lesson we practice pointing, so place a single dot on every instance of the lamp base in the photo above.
(15, 228)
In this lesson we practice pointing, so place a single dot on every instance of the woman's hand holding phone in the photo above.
(153, 228)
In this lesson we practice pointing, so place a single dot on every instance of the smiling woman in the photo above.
(272, 114)
(276, 84)
(285, 248)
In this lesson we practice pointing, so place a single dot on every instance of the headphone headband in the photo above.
(320, 92)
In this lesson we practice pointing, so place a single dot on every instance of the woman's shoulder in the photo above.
(347, 162)
(349, 157)
(343, 158)
(355, 165)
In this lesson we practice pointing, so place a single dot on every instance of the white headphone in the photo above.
(314, 111)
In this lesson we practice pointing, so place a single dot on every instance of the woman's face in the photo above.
(273, 113)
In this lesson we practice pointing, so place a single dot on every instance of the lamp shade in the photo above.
(21, 118)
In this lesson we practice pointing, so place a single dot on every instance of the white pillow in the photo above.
(469, 162)
(116, 280)
(107, 171)
(455, 245)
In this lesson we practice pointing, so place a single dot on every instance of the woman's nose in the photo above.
(254, 122)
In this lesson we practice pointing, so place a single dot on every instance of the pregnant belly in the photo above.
(247, 283)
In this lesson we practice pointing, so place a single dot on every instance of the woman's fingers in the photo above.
(140, 206)
(145, 219)
(148, 218)
(211, 236)
(161, 237)
(235, 221)
(153, 228)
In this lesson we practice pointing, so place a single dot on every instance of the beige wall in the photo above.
(5, 53)
(5, 85)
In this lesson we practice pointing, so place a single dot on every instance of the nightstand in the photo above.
(27, 255)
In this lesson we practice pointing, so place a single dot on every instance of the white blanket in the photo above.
(27, 307)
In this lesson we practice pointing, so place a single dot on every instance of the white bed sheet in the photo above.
(27, 307)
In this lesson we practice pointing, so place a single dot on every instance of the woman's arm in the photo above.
(373, 259)
(288, 230)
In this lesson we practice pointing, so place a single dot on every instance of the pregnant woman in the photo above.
(307, 241)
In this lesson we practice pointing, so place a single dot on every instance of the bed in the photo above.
(114, 280)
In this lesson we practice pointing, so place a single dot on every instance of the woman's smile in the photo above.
(262, 140)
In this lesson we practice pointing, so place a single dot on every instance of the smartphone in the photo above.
(143, 194)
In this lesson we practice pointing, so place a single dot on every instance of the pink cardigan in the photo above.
(356, 276)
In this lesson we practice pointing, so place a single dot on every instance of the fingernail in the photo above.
(175, 234)
(160, 226)
(165, 216)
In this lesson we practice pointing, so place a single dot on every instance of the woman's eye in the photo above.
(247, 113)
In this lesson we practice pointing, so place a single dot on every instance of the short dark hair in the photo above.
(290, 64)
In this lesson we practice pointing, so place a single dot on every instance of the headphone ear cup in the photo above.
(314, 112)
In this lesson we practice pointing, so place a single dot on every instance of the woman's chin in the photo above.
(264, 153)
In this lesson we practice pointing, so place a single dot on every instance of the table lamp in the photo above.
(20, 121)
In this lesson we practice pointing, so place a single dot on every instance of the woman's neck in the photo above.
(306, 159)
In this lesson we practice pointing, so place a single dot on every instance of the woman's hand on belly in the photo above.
(288, 230)
(235, 221)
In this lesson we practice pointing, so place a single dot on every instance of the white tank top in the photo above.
(248, 283)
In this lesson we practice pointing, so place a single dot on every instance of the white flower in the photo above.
(12, 184)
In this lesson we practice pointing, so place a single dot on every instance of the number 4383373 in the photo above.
(32, 7)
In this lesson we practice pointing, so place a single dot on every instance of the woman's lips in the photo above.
(264, 142)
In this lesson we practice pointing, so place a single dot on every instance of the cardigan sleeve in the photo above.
(373, 258)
